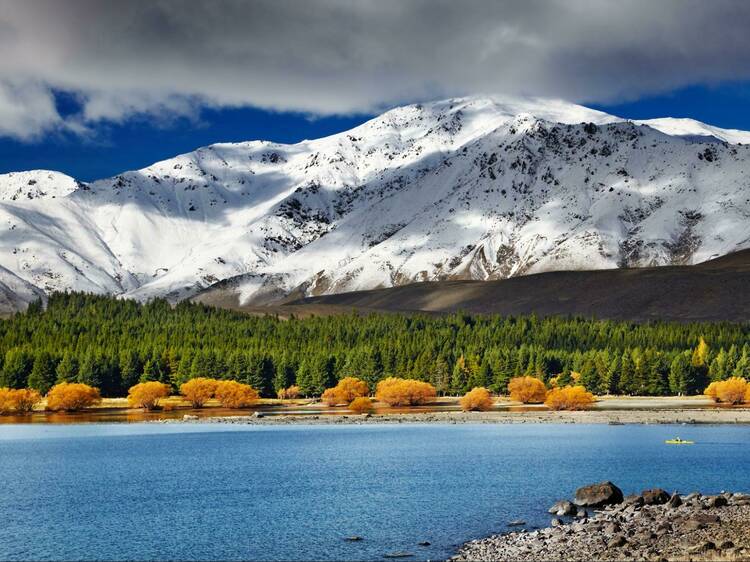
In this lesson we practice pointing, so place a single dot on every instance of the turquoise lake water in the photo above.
(213, 492)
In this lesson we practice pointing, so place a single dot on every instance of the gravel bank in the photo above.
(691, 527)
(689, 416)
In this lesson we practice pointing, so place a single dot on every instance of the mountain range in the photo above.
(474, 188)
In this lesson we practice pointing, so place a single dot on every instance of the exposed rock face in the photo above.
(674, 501)
(656, 496)
(597, 495)
(563, 507)
(697, 528)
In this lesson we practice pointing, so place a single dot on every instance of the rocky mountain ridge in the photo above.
(472, 188)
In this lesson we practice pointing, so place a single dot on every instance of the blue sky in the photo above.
(114, 148)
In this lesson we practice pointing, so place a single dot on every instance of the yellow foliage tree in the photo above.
(404, 392)
(345, 391)
(528, 390)
(198, 391)
(330, 397)
(477, 398)
(19, 401)
(232, 394)
(712, 391)
(147, 394)
(734, 390)
(288, 393)
(700, 354)
(350, 388)
(71, 396)
(569, 398)
(361, 405)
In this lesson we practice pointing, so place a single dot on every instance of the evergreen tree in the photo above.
(16, 368)
(441, 376)
(680, 373)
(284, 375)
(717, 371)
(305, 377)
(627, 373)
(151, 371)
(742, 368)
(67, 369)
(130, 368)
(321, 374)
(43, 373)
(613, 380)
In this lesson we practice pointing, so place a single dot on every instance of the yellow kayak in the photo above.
(678, 441)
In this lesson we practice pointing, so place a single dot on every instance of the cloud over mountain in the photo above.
(165, 57)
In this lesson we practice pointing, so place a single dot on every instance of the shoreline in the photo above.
(651, 526)
(611, 417)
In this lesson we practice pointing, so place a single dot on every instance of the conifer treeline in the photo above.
(113, 344)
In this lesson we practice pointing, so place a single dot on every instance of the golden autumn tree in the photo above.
(528, 390)
(404, 392)
(734, 390)
(198, 391)
(19, 401)
(477, 399)
(147, 394)
(361, 405)
(712, 391)
(350, 388)
(330, 397)
(700, 354)
(569, 398)
(345, 391)
(71, 396)
(233, 394)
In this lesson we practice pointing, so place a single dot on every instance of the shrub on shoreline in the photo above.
(361, 405)
(19, 401)
(734, 390)
(198, 391)
(232, 394)
(528, 390)
(70, 396)
(345, 391)
(147, 394)
(477, 399)
(569, 398)
(404, 392)
(288, 393)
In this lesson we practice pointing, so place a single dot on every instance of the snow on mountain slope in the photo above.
(36, 184)
(475, 188)
(696, 130)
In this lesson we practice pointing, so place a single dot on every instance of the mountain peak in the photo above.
(36, 184)
(465, 188)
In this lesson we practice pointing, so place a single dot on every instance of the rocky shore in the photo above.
(615, 417)
(601, 524)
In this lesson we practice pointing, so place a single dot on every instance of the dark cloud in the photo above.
(343, 56)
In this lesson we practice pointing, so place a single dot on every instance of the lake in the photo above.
(215, 492)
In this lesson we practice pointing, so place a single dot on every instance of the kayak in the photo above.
(678, 441)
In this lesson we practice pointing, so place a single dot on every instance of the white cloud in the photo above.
(338, 56)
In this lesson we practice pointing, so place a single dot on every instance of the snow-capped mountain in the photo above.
(478, 188)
